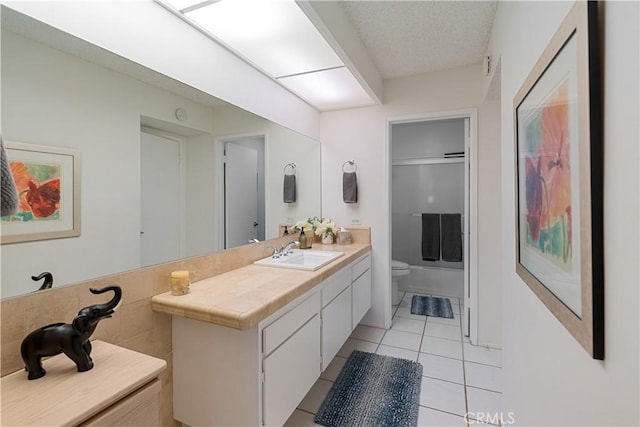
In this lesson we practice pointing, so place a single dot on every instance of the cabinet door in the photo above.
(361, 294)
(289, 373)
(336, 326)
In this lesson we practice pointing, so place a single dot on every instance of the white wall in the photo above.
(548, 378)
(52, 98)
(361, 134)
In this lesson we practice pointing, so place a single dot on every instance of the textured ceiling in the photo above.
(413, 37)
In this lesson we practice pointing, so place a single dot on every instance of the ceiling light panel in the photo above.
(184, 4)
(329, 89)
(274, 35)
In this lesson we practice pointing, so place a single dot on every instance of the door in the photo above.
(160, 199)
(241, 194)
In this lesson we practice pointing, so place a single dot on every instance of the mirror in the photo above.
(60, 91)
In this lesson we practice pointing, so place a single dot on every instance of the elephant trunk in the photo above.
(108, 307)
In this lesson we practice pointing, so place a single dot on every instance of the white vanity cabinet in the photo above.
(224, 376)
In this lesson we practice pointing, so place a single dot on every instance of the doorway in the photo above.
(161, 234)
(437, 173)
(243, 189)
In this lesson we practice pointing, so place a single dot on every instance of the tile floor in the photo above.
(457, 378)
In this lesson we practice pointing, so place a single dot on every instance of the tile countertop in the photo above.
(243, 297)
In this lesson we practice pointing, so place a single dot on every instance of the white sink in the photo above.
(307, 259)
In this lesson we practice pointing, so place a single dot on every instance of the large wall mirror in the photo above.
(60, 91)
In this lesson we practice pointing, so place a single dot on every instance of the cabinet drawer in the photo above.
(289, 373)
(141, 408)
(283, 327)
(361, 297)
(360, 267)
(334, 285)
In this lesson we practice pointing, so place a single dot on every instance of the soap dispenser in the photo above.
(304, 241)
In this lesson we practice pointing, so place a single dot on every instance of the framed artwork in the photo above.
(558, 134)
(48, 183)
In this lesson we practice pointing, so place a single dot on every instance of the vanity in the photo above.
(249, 344)
(122, 389)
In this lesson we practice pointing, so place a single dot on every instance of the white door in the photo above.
(160, 199)
(240, 194)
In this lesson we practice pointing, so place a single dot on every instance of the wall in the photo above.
(361, 134)
(548, 378)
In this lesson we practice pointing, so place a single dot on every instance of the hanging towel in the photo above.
(451, 237)
(430, 237)
(9, 193)
(349, 187)
(289, 190)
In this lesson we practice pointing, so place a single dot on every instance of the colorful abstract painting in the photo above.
(48, 183)
(39, 190)
(548, 179)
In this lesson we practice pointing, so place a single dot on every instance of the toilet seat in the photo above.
(399, 265)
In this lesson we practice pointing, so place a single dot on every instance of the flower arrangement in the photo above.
(320, 226)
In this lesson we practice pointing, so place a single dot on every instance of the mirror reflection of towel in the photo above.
(349, 187)
(430, 237)
(9, 193)
(289, 189)
(451, 237)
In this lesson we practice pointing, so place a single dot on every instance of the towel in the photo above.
(9, 193)
(451, 238)
(349, 187)
(289, 189)
(430, 237)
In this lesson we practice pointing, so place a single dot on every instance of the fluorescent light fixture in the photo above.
(328, 89)
(275, 36)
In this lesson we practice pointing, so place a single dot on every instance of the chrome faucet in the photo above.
(288, 248)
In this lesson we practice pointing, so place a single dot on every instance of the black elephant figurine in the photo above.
(70, 339)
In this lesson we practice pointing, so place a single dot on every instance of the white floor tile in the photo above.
(352, 344)
(402, 339)
(442, 368)
(334, 368)
(408, 325)
(441, 347)
(428, 417)
(442, 395)
(483, 376)
(406, 312)
(484, 355)
(401, 353)
(315, 396)
(483, 402)
(443, 331)
(443, 320)
(300, 419)
(367, 333)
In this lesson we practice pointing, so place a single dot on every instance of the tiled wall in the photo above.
(134, 325)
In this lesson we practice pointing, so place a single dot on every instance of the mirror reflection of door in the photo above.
(244, 191)
(160, 199)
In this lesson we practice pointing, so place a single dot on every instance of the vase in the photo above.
(327, 239)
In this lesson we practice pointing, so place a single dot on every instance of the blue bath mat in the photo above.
(431, 306)
(373, 390)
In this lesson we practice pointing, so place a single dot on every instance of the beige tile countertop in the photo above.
(64, 397)
(243, 297)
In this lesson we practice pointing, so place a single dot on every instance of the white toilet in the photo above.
(398, 269)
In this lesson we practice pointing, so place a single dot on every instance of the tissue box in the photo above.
(344, 237)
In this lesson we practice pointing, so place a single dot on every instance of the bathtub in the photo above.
(443, 281)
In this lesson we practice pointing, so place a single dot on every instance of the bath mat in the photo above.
(431, 306)
(373, 390)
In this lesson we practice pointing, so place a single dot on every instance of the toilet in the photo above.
(398, 269)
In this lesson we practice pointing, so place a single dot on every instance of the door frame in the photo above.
(182, 200)
(219, 143)
(470, 327)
